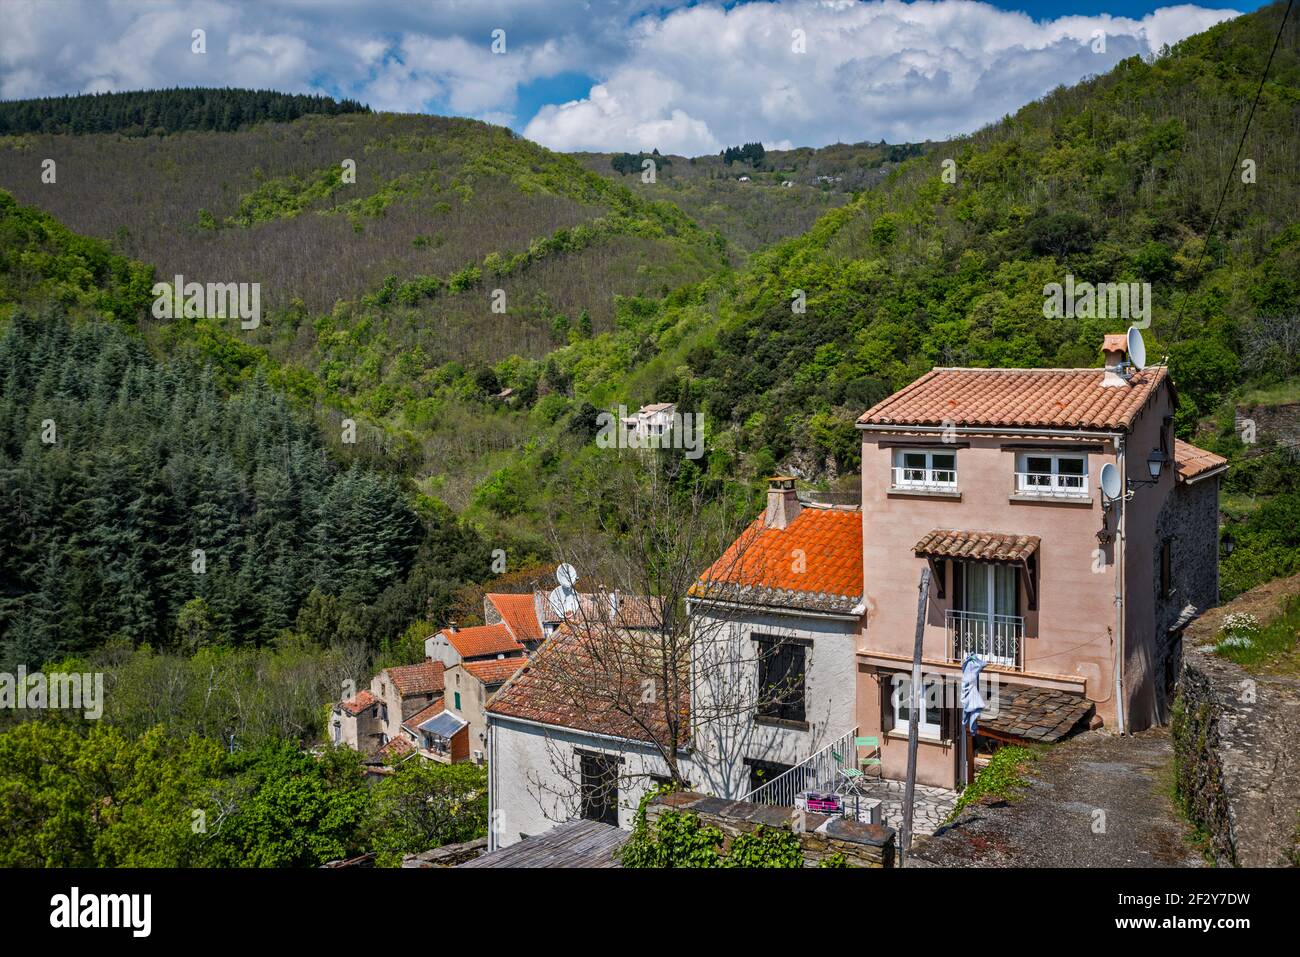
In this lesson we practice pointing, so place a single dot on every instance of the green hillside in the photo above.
(757, 203)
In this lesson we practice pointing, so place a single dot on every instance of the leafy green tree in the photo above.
(423, 805)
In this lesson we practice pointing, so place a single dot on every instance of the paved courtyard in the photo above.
(930, 805)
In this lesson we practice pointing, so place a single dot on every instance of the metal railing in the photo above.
(998, 639)
(907, 477)
(1051, 486)
(821, 772)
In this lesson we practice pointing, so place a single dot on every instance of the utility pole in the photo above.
(914, 717)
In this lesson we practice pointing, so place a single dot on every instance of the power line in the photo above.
(1232, 169)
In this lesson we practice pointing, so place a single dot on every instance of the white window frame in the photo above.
(925, 727)
(928, 479)
(1057, 486)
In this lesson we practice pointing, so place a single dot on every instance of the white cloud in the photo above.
(892, 70)
(687, 79)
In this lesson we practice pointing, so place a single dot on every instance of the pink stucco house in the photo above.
(990, 478)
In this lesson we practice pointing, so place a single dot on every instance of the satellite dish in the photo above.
(564, 601)
(1110, 486)
(1137, 349)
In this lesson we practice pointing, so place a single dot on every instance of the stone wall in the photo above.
(863, 845)
(449, 855)
(1234, 732)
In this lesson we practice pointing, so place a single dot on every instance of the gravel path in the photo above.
(1096, 800)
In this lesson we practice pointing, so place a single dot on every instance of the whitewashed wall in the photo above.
(535, 779)
(830, 694)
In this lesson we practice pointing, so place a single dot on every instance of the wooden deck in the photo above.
(575, 844)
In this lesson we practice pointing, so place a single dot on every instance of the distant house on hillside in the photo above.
(645, 427)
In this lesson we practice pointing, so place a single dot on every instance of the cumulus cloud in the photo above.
(681, 78)
(815, 73)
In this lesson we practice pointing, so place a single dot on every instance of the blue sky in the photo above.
(686, 77)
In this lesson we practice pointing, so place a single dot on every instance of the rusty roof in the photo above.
(814, 563)
(1192, 463)
(1017, 398)
(977, 546)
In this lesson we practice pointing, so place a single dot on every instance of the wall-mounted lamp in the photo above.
(1155, 465)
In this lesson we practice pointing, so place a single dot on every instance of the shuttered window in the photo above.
(781, 678)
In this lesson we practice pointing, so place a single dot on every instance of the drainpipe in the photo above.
(1120, 544)
(492, 786)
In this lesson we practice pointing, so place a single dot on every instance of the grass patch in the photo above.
(1270, 647)
(1281, 392)
(1001, 777)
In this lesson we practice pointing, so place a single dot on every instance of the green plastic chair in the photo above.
(869, 742)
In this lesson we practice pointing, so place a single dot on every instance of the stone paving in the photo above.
(930, 805)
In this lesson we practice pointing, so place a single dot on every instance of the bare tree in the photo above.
(634, 658)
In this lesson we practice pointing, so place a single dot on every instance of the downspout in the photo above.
(492, 786)
(1121, 542)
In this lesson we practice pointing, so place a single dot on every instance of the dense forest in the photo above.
(156, 112)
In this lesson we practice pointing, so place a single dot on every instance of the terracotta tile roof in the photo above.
(1192, 463)
(417, 719)
(358, 704)
(632, 611)
(424, 678)
(397, 747)
(519, 613)
(564, 686)
(814, 563)
(482, 640)
(1018, 398)
(1027, 713)
(977, 546)
(495, 671)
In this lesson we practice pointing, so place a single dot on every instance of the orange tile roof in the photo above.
(423, 715)
(1019, 398)
(423, 678)
(814, 563)
(564, 686)
(1192, 463)
(482, 640)
(358, 704)
(519, 613)
(497, 670)
(977, 546)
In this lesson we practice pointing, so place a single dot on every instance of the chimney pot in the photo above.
(782, 502)
(1114, 347)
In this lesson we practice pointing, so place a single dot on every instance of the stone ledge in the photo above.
(863, 845)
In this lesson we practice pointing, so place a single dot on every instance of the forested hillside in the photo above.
(449, 208)
(757, 200)
(156, 112)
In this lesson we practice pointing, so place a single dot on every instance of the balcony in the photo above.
(912, 479)
(998, 639)
(1049, 485)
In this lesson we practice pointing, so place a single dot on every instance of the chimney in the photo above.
(1114, 348)
(782, 502)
